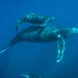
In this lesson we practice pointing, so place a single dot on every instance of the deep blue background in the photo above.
(36, 57)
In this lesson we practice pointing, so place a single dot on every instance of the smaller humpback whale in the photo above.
(44, 34)
(32, 18)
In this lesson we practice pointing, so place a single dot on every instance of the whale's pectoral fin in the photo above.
(61, 48)
(5, 49)
(45, 23)
(48, 20)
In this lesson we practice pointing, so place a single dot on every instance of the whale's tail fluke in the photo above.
(5, 49)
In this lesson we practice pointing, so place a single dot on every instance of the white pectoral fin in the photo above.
(5, 49)
(61, 48)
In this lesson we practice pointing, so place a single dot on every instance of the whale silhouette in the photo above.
(43, 34)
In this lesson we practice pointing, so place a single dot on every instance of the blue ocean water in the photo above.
(39, 58)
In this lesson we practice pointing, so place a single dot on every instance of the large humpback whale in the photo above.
(43, 34)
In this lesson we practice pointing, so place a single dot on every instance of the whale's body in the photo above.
(41, 34)
(32, 18)
(35, 34)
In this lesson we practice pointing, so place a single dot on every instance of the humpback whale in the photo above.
(43, 34)
(32, 18)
